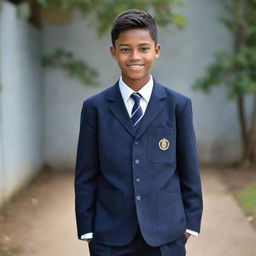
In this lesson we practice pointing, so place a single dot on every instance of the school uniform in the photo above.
(137, 187)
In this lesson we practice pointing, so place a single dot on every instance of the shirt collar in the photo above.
(145, 91)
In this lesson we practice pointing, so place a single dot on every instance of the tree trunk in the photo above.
(252, 135)
(248, 135)
(239, 41)
(242, 121)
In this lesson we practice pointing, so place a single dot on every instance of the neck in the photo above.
(136, 84)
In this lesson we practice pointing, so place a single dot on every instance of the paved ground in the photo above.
(41, 222)
(225, 230)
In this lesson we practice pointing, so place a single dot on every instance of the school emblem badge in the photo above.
(164, 144)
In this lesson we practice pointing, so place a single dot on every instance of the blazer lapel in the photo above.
(117, 107)
(155, 106)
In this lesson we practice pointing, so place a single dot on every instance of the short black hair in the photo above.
(132, 19)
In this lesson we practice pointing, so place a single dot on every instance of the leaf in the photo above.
(42, 3)
(77, 68)
(102, 12)
(178, 20)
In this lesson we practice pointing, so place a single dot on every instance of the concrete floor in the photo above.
(44, 224)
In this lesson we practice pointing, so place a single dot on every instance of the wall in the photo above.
(185, 55)
(40, 110)
(21, 99)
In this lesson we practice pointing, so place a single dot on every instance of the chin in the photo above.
(137, 77)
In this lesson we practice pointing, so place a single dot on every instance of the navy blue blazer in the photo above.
(149, 178)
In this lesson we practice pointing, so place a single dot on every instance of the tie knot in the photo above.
(136, 97)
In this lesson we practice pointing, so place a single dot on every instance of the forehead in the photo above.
(134, 36)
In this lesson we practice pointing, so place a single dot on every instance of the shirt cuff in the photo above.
(90, 235)
(191, 232)
(87, 236)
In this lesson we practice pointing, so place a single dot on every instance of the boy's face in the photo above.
(135, 52)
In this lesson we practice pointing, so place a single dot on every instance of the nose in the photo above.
(135, 55)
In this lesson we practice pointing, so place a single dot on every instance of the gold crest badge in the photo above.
(164, 144)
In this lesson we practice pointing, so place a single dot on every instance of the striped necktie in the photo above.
(136, 110)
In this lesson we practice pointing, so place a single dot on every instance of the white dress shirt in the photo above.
(126, 93)
(145, 92)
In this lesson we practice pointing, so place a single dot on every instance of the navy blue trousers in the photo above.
(138, 247)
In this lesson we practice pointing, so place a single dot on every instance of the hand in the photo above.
(187, 235)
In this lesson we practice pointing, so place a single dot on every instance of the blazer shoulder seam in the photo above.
(184, 107)
(86, 116)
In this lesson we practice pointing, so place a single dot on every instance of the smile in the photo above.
(135, 66)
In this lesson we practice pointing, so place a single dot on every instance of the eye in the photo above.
(144, 49)
(124, 49)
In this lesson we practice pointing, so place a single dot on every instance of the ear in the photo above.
(113, 52)
(157, 50)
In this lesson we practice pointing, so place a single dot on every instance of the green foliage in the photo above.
(77, 68)
(102, 12)
(247, 199)
(237, 70)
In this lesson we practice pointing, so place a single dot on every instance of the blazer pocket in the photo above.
(171, 212)
(161, 145)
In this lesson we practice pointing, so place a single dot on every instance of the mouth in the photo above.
(135, 66)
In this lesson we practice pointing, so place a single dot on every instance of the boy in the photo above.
(137, 180)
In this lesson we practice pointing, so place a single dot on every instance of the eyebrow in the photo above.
(142, 44)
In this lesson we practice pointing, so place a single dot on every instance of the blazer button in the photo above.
(138, 198)
(136, 142)
(138, 180)
(137, 161)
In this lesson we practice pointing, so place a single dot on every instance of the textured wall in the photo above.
(185, 55)
(21, 99)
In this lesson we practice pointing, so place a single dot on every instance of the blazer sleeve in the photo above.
(188, 169)
(86, 173)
